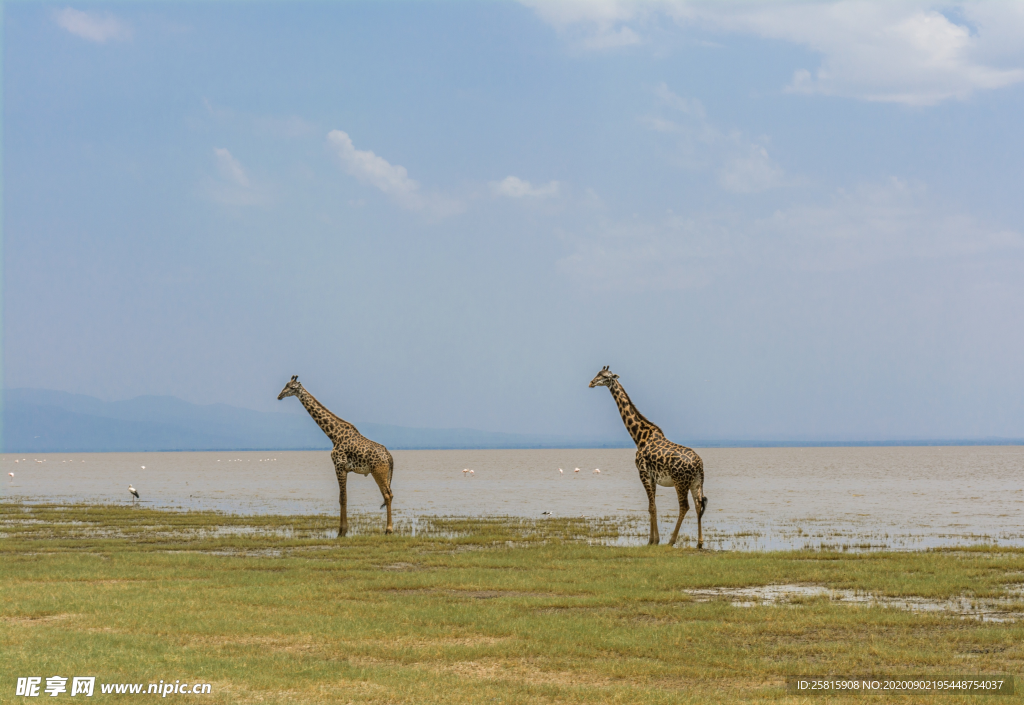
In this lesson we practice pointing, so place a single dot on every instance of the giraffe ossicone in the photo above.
(353, 452)
(658, 460)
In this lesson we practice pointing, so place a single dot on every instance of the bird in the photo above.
(576, 470)
(559, 471)
(465, 470)
(143, 467)
(11, 474)
(470, 472)
(134, 492)
(545, 512)
(596, 471)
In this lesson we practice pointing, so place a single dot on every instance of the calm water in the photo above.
(901, 498)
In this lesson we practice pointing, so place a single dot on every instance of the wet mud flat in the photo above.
(845, 499)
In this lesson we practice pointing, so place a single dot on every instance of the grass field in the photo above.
(272, 609)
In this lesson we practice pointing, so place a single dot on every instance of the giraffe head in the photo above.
(604, 378)
(291, 389)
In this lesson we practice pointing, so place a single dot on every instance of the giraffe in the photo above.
(352, 452)
(659, 460)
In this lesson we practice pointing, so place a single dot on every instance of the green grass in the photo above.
(273, 609)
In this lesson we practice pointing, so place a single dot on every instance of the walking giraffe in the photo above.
(352, 452)
(659, 460)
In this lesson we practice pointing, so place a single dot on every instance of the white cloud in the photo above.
(92, 26)
(233, 187)
(514, 187)
(913, 52)
(751, 173)
(591, 24)
(885, 52)
(229, 167)
(391, 179)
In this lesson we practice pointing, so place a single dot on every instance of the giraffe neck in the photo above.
(640, 429)
(328, 422)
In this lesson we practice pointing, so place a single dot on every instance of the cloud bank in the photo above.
(914, 53)
(855, 229)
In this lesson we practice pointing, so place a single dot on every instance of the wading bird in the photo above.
(134, 492)
(559, 471)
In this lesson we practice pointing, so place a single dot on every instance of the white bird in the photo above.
(576, 470)
(559, 471)
(135, 492)
(465, 470)
(143, 467)
(11, 474)
(596, 471)
(470, 472)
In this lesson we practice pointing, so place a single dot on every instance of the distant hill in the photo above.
(40, 420)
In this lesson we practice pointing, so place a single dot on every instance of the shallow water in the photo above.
(997, 609)
(759, 498)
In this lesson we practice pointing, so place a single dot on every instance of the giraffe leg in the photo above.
(700, 502)
(342, 472)
(343, 501)
(380, 474)
(683, 507)
(653, 510)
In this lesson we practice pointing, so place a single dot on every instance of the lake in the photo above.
(858, 498)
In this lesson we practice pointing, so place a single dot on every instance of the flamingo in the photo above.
(12, 476)
(576, 470)
(559, 471)
(470, 472)
(465, 470)
(134, 492)
(596, 471)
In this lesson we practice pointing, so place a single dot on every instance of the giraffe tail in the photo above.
(703, 505)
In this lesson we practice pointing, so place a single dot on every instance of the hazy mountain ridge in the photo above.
(38, 420)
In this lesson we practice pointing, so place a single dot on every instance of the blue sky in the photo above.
(773, 220)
